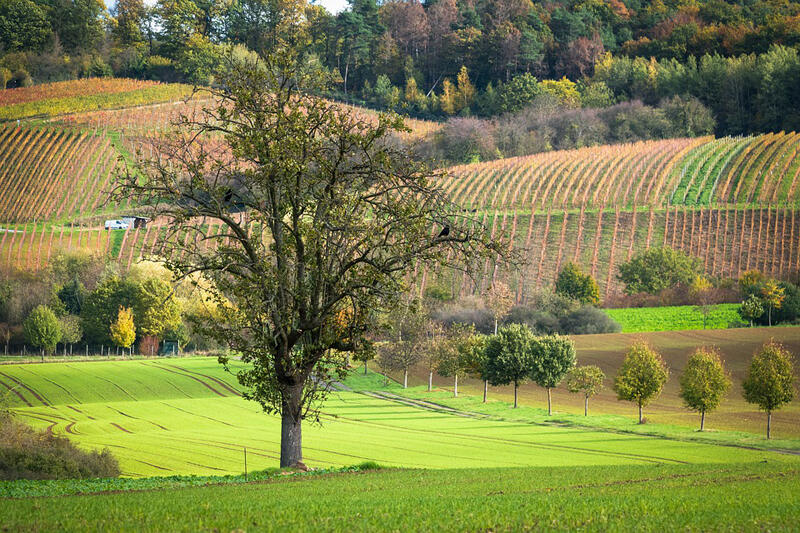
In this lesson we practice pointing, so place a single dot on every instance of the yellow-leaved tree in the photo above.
(123, 331)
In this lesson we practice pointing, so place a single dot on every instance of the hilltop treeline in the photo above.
(443, 57)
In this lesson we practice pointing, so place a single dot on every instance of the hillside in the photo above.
(185, 416)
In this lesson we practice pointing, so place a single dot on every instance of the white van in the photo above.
(117, 224)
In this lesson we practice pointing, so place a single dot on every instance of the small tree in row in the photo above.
(704, 382)
(641, 377)
(770, 380)
(516, 355)
(586, 380)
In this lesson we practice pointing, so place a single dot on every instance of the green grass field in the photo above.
(182, 416)
(742, 497)
(443, 469)
(673, 318)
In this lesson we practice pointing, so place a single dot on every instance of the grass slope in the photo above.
(599, 498)
(183, 417)
(673, 318)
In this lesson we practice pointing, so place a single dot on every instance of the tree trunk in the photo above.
(291, 429)
(495, 326)
(455, 387)
(515, 394)
(405, 378)
(769, 424)
(702, 420)
(769, 316)
(640, 412)
(485, 389)
(586, 405)
(430, 381)
(549, 403)
(365, 368)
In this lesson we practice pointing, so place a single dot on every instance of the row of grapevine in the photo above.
(618, 175)
(693, 172)
(728, 241)
(52, 172)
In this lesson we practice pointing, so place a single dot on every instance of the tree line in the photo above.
(515, 354)
(440, 58)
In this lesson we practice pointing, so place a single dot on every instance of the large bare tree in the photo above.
(324, 216)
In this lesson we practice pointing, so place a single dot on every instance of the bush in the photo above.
(29, 454)
(657, 269)
(588, 320)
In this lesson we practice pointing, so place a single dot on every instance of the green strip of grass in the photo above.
(674, 318)
(26, 488)
(633, 498)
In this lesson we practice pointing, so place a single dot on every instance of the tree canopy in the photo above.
(770, 380)
(641, 376)
(331, 215)
(656, 269)
(704, 382)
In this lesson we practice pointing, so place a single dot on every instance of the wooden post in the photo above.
(245, 462)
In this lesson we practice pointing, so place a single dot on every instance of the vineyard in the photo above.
(51, 173)
(78, 96)
(730, 201)
(693, 172)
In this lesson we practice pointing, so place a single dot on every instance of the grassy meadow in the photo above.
(719, 497)
(673, 318)
(184, 416)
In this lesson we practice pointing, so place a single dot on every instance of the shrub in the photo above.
(657, 269)
(587, 321)
(573, 283)
(29, 454)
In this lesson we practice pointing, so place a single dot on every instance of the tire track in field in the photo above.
(81, 412)
(94, 375)
(430, 406)
(36, 395)
(212, 378)
(15, 391)
(230, 446)
(67, 391)
(538, 445)
(69, 429)
(137, 418)
(120, 427)
(49, 429)
(201, 416)
(203, 383)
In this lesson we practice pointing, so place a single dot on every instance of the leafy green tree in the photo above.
(750, 283)
(23, 27)
(101, 306)
(42, 329)
(770, 380)
(518, 93)
(772, 295)
(71, 331)
(72, 295)
(586, 380)
(751, 309)
(553, 357)
(156, 309)
(471, 347)
(459, 353)
(656, 269)
(573, 283)
(122, 330)
(78, 24)
(509, 356)
(704, 382)
(641, 377)
(337, 215)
